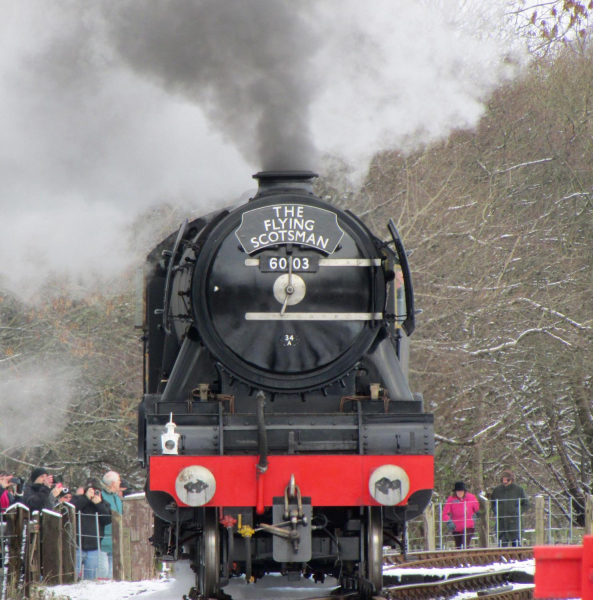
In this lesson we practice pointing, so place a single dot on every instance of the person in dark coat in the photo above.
(509, 504)
(40, 493)
(92, 516)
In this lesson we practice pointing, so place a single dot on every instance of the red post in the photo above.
(587, 569)
(564, 571)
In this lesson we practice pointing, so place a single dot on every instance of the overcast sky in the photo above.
(108, 107)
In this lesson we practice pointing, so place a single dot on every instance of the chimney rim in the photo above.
(285, 175)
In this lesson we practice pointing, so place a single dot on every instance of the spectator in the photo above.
(460, 513)
(65, 495)
(111, 483)
(38, 494)
(93, 516)
(509, 504)
(6, 498)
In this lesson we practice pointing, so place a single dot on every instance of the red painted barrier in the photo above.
(564, 571)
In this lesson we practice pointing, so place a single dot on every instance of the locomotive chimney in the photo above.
(273, 182)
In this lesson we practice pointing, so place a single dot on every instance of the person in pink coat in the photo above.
(458, 515)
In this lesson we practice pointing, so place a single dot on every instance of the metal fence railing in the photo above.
(540, 520)
(91, 561)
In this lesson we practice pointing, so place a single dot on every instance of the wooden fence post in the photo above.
(429, 528)
(15, 582)
(588, 514)
(137, 528)
(118, 546)
(34, 550)
(69, 572)
(540, 521)
(484, 522)
(51, 547)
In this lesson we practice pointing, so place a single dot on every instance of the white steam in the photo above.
(34, 402)
(402, 74)
(109, 107)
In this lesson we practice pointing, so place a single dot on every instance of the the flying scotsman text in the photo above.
(289, 224)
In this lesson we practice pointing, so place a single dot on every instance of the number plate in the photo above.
(280, 264)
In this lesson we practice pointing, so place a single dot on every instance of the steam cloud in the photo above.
(111, 106)
(33, 404)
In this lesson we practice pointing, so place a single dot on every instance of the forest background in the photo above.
(499, 223)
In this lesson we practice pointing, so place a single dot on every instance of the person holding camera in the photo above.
(11, 490)
(93, 515)
(41, 493)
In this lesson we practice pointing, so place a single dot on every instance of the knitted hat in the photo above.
(508, 474)
(92, 482)
(37, 473)
(459, 487)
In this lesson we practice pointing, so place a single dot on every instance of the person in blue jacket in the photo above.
(111, 482)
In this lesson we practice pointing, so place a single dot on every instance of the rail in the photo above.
(456, 558)
(497, 582)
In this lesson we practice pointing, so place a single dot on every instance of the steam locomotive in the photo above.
(277, 425)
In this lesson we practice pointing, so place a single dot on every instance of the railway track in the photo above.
(495, 585)
(457, 558)
(498, 584)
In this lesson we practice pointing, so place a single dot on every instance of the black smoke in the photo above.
(249, 64)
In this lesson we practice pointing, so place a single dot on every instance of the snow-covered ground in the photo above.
(180, 582)
(174, 587)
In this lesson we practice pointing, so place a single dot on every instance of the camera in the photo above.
(58, 479)
(18, 482)
(63, 492)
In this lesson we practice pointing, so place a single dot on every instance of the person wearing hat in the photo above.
(509, 503)
(459, 515)
(41, 493)
(93, 515)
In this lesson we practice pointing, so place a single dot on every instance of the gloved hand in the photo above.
(450, 526)
(476, 518)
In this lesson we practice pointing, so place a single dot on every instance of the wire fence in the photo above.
(91, 561)
(538, 520)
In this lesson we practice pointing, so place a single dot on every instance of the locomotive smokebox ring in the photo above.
(354, 296)
(295, 292)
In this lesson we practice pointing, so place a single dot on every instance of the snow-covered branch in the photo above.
(445, 440)
(525, 164)
(513, 343)
(9, 358)
(555, 313)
